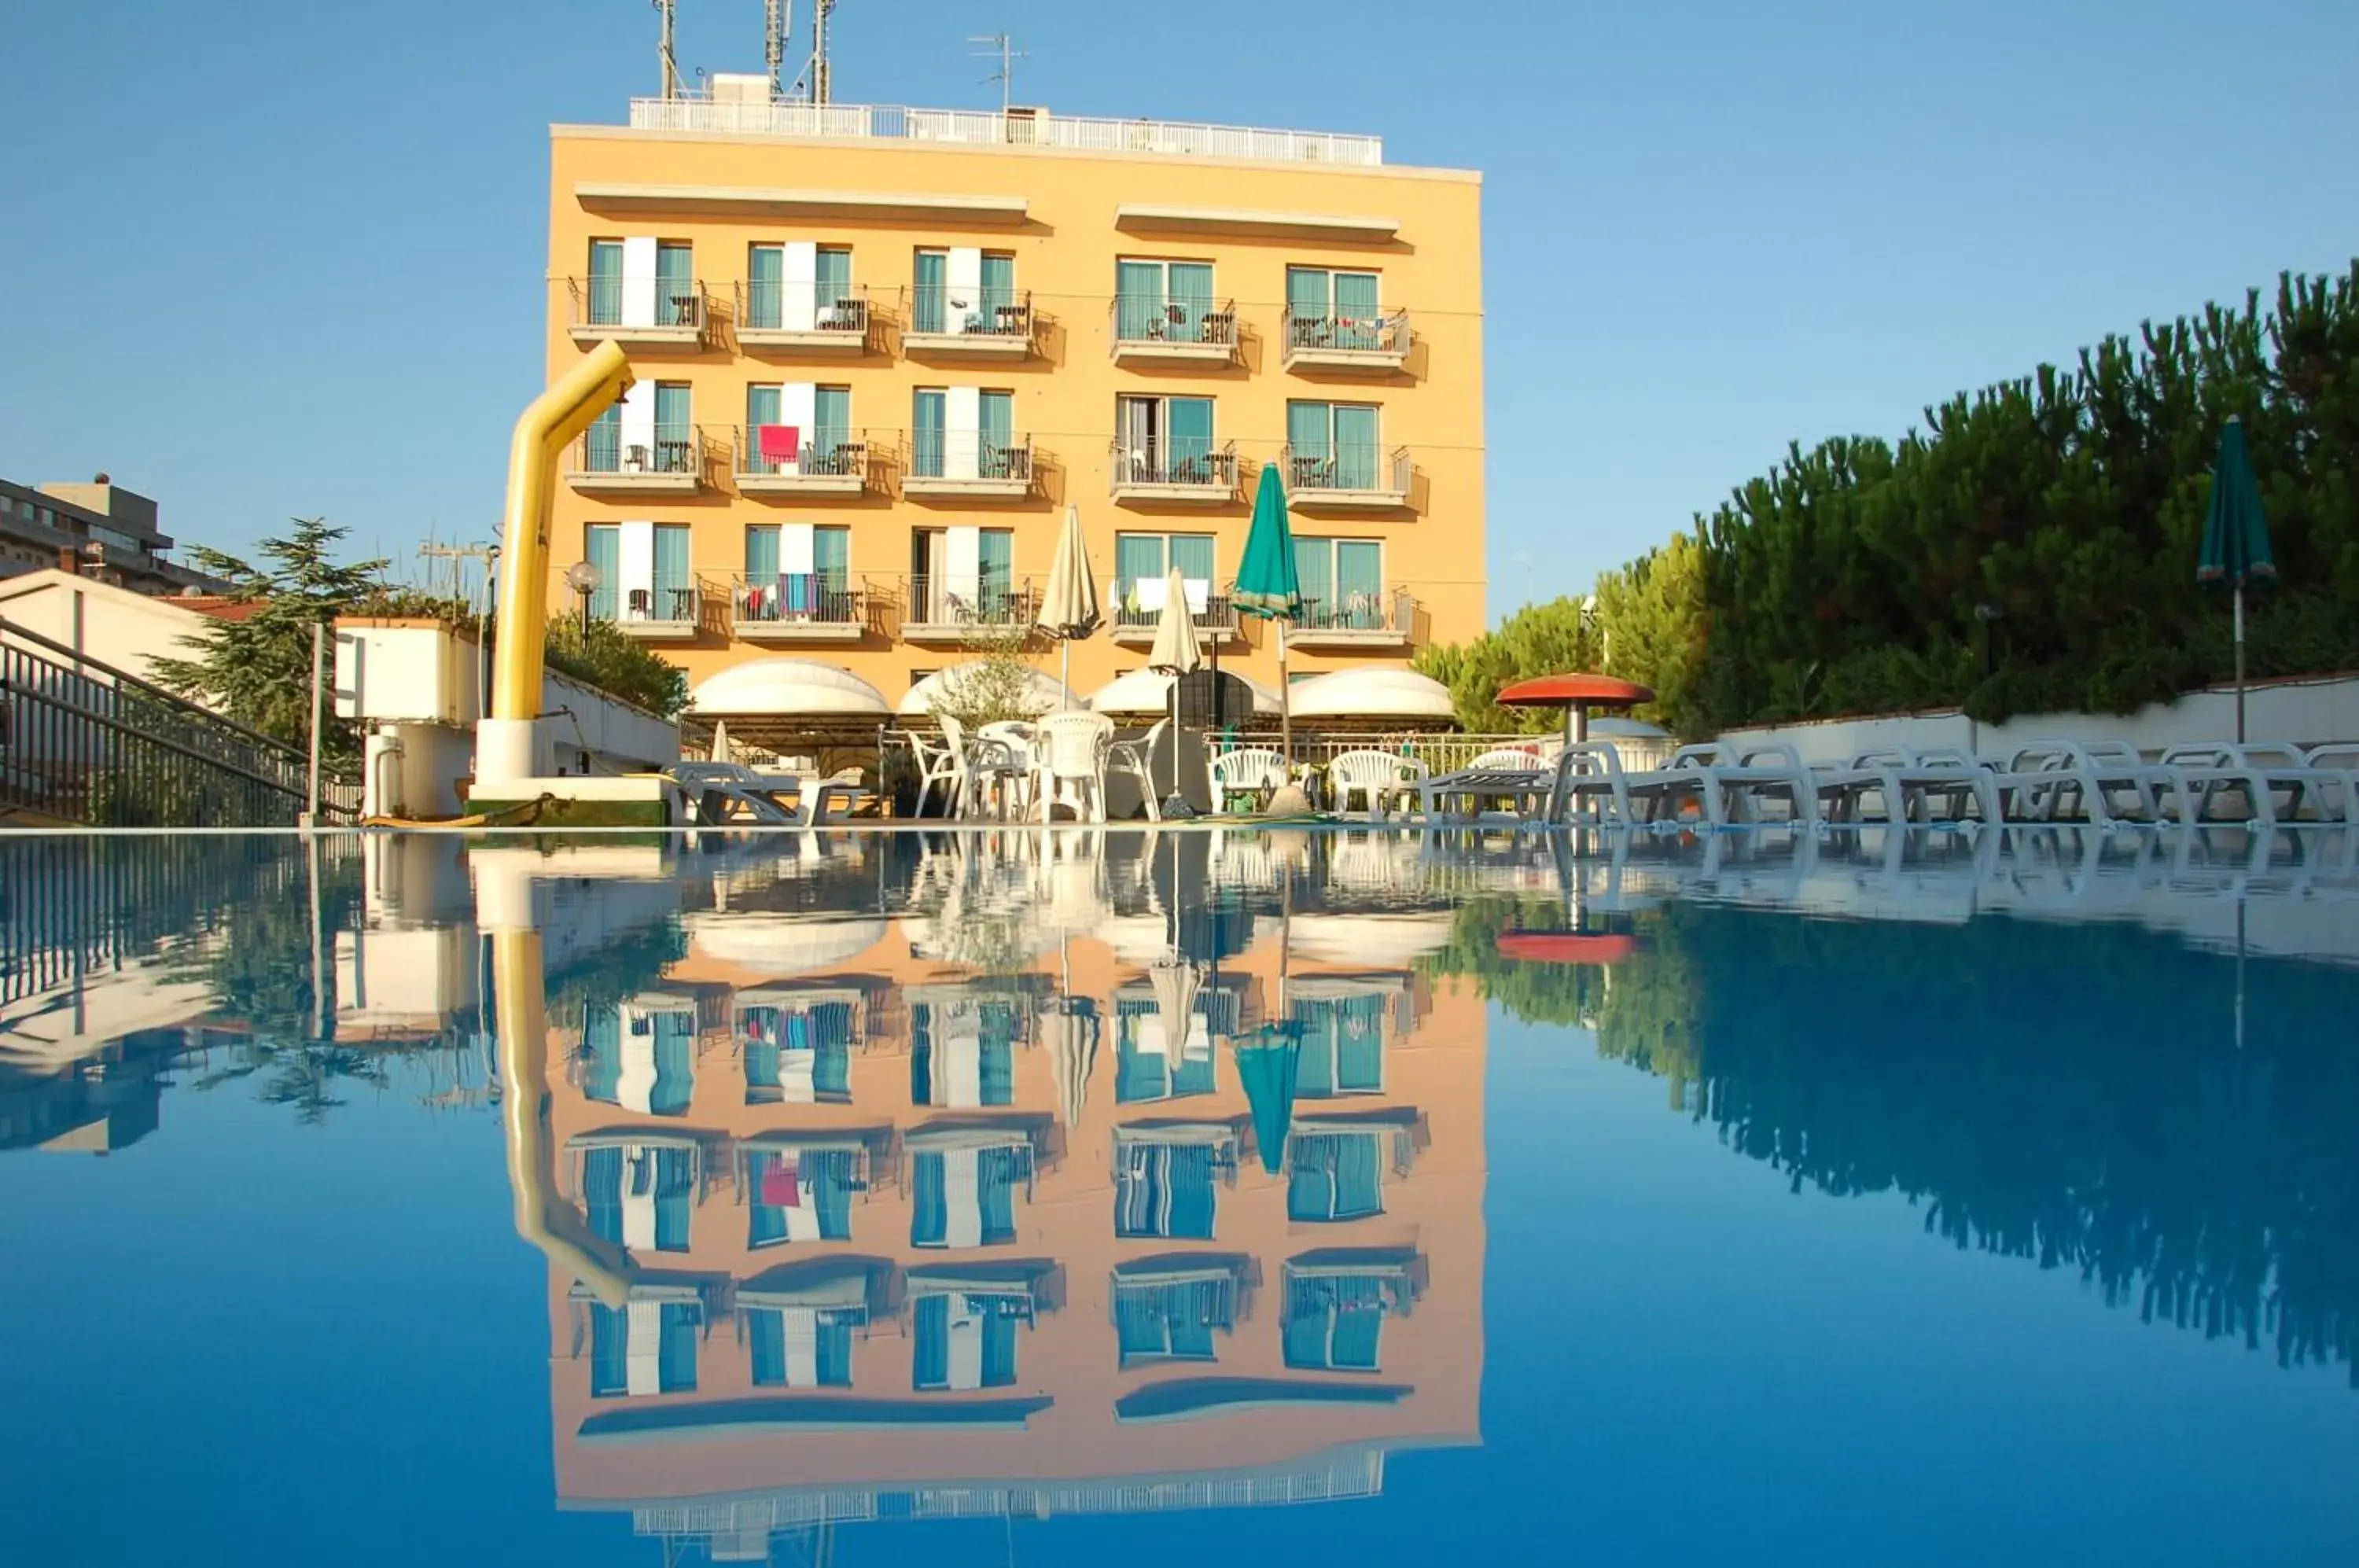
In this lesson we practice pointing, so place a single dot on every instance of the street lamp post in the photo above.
(585, 578)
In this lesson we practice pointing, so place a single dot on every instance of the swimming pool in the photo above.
(1859, 1196)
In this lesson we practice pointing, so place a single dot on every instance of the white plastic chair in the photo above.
(977, 761)
(938, 763)
(1072, 753)
(1376, 777)
(1257, 770)
(1131, 758)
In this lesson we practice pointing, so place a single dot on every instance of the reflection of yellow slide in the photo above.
(542, 1217)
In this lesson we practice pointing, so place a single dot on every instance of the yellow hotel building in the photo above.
(881, 351)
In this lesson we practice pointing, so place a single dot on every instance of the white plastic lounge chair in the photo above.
(1728, 783)
(2197, 776)
(2052, 780)
(1590, 781)
(1378, 777)
(1906, 783)
(717, 791)
(1508, 774)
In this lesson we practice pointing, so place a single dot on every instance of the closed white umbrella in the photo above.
(1176, 650)
(721, 740)
(1068, 607)
(1176, 984)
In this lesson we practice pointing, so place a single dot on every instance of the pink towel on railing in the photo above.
(778, 443)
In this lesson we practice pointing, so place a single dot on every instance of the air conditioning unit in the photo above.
(741, 88)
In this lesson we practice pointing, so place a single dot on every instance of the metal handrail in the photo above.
(1342, 463)
(822, 452)
(1137, 320)
(678, 449)
(924, 459)
(1159, 463)
(847, 315)
(598, 302)
(794, 598)
(1385, 334)
(928, 600)
(1219, 614)
(990, 319)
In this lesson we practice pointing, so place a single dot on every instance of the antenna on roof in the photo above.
(821, 74)
(664, 8)
(778, 21)
(1002, 49)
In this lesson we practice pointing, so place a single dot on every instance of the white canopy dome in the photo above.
(1047, 691)
(1373, 941)
(782, 944)
(1385, 693)
(1150, 691)
(788, 686)
(1626, 729)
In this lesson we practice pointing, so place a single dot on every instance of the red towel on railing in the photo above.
(779, 1187)
(778, 443)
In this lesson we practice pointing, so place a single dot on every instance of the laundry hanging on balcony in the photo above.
(778, 443)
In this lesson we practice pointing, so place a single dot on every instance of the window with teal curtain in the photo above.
(1359, 591)
(998, 286)
(930, 1366)
(602, 1193)
(1310, 437)
(610, 1351)
(602, 547)
(1140, 1075)
(676, 1352)
(672, 421)
(996, 1055)
(928, 419)
(996, 551)
(832, 560)
(929, 1214)
(765, 1223)
(765, 278)
(1001, 1316)
(605, 282)
(1192, 554)
(1315, 569)
(830, 418)
(674, 1194)
(1138, 299)
(835, 1347)
(1360, 1046)
(762, 554)
(604, 441)
(1356, 310)
(1137, 558)
(765, 1343)
(675, 283)
(1355, 447)
(1163, 1191)
(997, 1172)
(1334, 1176)
(1314, 1070)
(833, 270)
(1191, 284)
(675, 1033)
(1307, 302)
(831, 1070)
(675, 601)
(1188, 421)
(932, 289)
(997, 418)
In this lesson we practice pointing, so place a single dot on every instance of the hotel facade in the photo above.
(878, 352)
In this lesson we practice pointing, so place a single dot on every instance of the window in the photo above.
(1334, 1322)
(651, 431)
(642, 282)
(1142, 565)
(1166, 1190)
(959, 290)
(966, 1197)
(644, 575)
(1334, 1176)
(605, 283)
(1331, 446)
(961, 574)
(1332, 309)
(963, 432)
(602, 547)
(803, 1348)
(799, 1196)
(645, 1347)
(1342, 582)
(1343, 1046)
(640, 1197)
(1168, 441)
(967, 1340)
(676, 300)
(773, 548)
(1169, 301)
(822, 416)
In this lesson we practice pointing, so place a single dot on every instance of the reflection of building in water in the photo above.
(912, 1241)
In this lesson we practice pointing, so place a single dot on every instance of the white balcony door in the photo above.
(964, 572)
(795, 547)
(634, 597)
(800, 297)
(963, 1202)
(962, 298)
(799, 1330)
(799, 407)
(639, 280)
(637, 438)
(963, 440)
(643, 1347)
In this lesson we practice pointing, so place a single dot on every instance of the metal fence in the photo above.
(85, 742)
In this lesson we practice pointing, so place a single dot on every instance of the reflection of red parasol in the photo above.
(1576, 693)
(1567, 947)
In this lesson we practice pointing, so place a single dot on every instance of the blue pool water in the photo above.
(900, 1198)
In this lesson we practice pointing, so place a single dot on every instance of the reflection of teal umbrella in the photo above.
(1266, 1067)
(1268, 584)
(2236, 539)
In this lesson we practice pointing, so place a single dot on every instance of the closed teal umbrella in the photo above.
(1266, 1070)
(1267, 585)
(2235, 539)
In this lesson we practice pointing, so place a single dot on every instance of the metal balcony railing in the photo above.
(1179, 464)
(1130, 614)
(936, 309)
(825, 451)
(670, 449)
(1357, 610)
(1382, 336)
(988, 598)
(927, 455)
(795, 598)
(668, 602)
(1157, 321)
(1349, 468)
(767, 307)
(605, 301)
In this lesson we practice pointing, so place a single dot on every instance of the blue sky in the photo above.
(268, 258)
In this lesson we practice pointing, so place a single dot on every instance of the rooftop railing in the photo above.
(1019, 127)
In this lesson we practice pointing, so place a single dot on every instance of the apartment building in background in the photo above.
(879, 352)
(100, 530)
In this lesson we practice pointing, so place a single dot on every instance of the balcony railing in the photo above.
(1356, 610)
(820, 459)
(1328, 338)
(639, 311)
(962, 460)
(786, 604)
(1184, 468)
(1019, 128)
(1156, 325)
(1135, 621)
(952, 606)
(666, 607)
(941, 318)
(1346, 474)
(671, 457)
(778, 313)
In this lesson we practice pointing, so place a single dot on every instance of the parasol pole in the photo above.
(1286, 701)
(2239, 599)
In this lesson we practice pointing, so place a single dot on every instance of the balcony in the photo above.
(1346, 479)
(941, 326)
(952, 611)
(796, 607)
(1156, 329)
(1186, 473)
(643, 316)
(1137, 612)
(823, 463)
(674, 461)
(1379, 344)
(785, 319)
(665, 612)
(966, 469)
(1380, 619)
